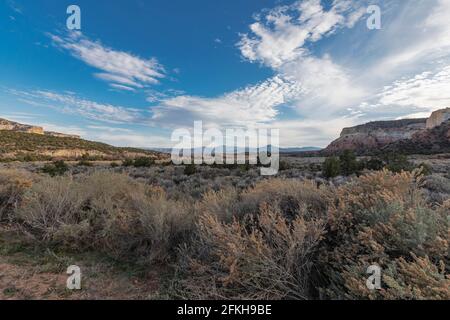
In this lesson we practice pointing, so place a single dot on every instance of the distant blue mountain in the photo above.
(240, 150)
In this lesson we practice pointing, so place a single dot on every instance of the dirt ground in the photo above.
(26, 274)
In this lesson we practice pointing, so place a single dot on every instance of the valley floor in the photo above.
(171, 232)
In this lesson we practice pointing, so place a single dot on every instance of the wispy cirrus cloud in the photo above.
(122, 70)
(72, 104)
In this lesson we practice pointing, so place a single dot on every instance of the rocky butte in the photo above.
(388, 135)
(7, 125)
(14, 126)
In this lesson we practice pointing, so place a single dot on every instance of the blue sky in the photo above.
(139, 69)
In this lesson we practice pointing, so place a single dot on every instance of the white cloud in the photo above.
(121, 69)
(71, 104)
(281, 35)
(364, 85)
(310, 132)
(109, 129)
(327, 86)
(414, 38)
(246, 107)
(279, 40)
(316, 86)
(427, 91)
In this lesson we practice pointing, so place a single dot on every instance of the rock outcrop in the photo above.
(375, 135)
(431, 141)
(430, 135)
(61, 135)
(14, 126)
(438, 117)
(8, 125)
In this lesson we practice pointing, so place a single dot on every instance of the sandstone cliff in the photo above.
(409, 136)
(8, 125)
(14, 126)
(375, 135)
(431, 141)
(438, 117)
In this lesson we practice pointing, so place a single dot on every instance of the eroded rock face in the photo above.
(62, 135)
(410, 135)
(14, 126)
(438, 117)
(375, 135)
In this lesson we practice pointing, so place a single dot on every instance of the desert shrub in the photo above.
(292, 196)
(50, 207)
(151, 231)
(263, 257)
(57, 168)
(127, 163)
(223, 204)
(190, 169)
(114, 165)
(438, 188)
(348, 163)
(396, 162)
(284, 165)
(106, 212)
(382, 218)
(425, 169)
(374, 164)
(331, 167)
(143, 162)
(84, 163)
(13, 184)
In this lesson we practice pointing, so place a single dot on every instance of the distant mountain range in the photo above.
(242, 150)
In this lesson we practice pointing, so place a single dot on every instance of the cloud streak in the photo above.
(72, 104)
(120, 69)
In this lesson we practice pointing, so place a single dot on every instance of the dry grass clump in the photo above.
(258, 244)
(382, 218)
(13, 184)
(291, 196)
(263, 257)
(105, 211)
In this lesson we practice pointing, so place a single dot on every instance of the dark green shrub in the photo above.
(57, 168)
(127, 163)
(284, 165)
(426, 169)
(331, 167)
(374, 164)
(143, 162)
(84, 163)
(397, 162)
(190, 169)
(349, 163)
